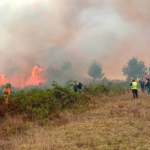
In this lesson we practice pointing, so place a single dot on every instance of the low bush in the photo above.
(105, 89)
(48, 103)
(38, 103)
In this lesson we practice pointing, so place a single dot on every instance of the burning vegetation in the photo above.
(34, 79)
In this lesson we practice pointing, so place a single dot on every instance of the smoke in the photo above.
(47, 32)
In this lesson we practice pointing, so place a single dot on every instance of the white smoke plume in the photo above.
(47, 32)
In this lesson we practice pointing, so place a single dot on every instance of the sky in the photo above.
(48, 32)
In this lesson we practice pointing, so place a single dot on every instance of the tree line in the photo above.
(134, 69)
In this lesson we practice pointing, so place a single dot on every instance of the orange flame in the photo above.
(35, 79)
(2, 78)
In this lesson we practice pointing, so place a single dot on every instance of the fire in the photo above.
(2, 78)
(35, 79)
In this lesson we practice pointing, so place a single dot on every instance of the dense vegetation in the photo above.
(48, 103)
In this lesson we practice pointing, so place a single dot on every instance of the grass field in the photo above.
(110, 123)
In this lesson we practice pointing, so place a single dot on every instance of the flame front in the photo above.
(2, 78)
(35, 79)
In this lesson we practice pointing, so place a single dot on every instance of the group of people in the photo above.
(145, 85)
(77, 87)
(6, 91)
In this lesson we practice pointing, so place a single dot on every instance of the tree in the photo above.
(67, 66)
(95, 70)
(134, 69)
(105, 81)
(67, 71)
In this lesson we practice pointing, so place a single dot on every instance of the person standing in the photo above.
(142, 83)
(148, 87)
(134, 88)
(80, 86)
(145, 83)
(75, 87)
(6, 92)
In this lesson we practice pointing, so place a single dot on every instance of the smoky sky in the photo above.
(50, 32)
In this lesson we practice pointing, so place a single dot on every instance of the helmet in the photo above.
(133, 80)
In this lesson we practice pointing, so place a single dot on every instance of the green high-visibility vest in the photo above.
(134, 85)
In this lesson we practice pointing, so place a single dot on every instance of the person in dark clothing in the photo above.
(145, 81)
(134, 88)
(80, 86)
(142, 83)
(75, 87)
(148, 87)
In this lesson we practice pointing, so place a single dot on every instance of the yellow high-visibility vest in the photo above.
(134, 85)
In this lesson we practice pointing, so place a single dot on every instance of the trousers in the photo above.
(135, 93)
(6, 98)
(148, 90)
(142, 88)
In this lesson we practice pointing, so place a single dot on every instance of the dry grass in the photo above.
(116, 123)
(3, 108)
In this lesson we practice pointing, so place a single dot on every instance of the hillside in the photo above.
(110, 123)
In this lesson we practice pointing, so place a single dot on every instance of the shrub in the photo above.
(39, 103)
(97, 89)
(47, 103)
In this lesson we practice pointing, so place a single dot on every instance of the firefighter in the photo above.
(6, 92)
(134, 88)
